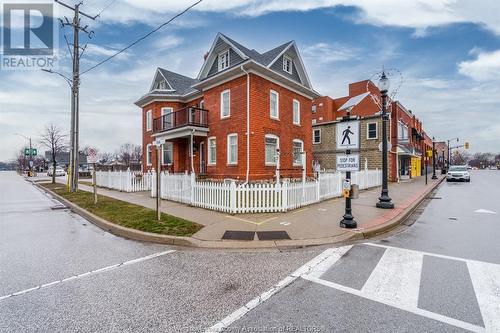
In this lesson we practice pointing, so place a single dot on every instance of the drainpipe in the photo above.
(248, 125)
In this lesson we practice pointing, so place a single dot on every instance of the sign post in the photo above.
(92, 159)
(347, 138)
(158, 144)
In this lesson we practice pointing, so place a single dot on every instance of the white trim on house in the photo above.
(368, 130)
(222, 105)
(301, 151)
(277, 115)
(151, 88)
(303, 71)
(314, 136)
(295, 102)
(271, 136)
(228, 149)
(149, 120)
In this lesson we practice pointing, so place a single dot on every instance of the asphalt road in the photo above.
(60, 273)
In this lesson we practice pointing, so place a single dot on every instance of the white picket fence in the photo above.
(125, 181)
(258, 197)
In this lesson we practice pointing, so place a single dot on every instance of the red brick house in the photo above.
(406, 136)
(245, 115)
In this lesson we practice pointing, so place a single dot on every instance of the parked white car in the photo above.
(458, 173)
(59, 172)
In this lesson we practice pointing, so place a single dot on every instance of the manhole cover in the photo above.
(272, 235)
(239, 235)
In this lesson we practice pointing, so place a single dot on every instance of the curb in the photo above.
(397, 220)
(143, 236)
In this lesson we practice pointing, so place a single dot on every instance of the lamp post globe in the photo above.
(385, 201)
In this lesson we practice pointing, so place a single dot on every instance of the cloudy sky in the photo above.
(448, 52)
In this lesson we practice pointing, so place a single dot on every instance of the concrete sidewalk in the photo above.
(311, 225)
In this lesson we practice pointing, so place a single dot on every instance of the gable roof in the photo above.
(353, 101)
(179, 84)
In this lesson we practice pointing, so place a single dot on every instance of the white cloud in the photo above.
(324, 53)
(485, 67)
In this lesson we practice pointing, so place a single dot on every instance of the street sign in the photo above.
(92, 156)
(389, 146)
(33, 152)
(346, 184)
(348, 162)
(348, 135)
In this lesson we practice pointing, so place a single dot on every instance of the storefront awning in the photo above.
(407, 151)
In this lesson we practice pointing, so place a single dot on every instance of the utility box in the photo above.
(354, 191)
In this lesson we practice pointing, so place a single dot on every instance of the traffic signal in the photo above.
(466, 145)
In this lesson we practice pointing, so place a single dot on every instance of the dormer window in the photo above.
(161, 85)
(287, 64)
(223, 60)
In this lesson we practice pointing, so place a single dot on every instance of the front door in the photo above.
(202, 158)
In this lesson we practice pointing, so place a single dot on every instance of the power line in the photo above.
(142, 38)
(106, 7)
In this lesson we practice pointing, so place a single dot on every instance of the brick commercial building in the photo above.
(244, 116)
(405, 134)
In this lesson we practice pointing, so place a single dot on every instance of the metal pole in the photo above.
(448, 162)
(385, 201)
(348, 220)
(30, 162)
(434, 159)
(425, 171)
(74, 103)
(158, 187)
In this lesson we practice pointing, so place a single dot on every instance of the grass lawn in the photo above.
(85, 182)
(127, 214)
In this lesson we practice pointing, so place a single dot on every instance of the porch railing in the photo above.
(188, 116)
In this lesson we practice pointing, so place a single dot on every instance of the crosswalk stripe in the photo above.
(486, 281)
(396, 278)
(335, 255)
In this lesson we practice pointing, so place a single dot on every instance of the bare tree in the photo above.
(129, 152)
(105, 157)
(54, 139)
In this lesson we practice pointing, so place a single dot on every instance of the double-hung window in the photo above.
(298, 148)
(225, 104)
(316, 135)
(371, 131)
(149, 154)
(288, 64)
(232, 149)
(212, 151)
(274, 105)
(149, 120)
(223, 60)
(296, 112)
(271, 150)
(167, 153)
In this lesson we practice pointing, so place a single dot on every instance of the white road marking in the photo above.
(303, 270)
(417, 311)
(484, 211)
(325, 265)
(486, 281)
(396, 278)
(322, 209)
(285, 223)
(79, 276)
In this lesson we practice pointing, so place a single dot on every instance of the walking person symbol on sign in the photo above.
(347, 133)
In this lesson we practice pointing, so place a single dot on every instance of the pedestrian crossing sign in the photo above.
(347, 135)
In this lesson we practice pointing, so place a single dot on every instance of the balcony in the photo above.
(189, 116)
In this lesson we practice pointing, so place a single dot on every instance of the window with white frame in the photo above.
(212, 151)
(316, 135)
(298, 149)
(296, 112)
(287, 64)
(232, 149)
(149, 154)
(225, 104)
(167, 153)
(167, 117)
(371, 131)
(162, 85)
(271, 150)
(223, 60)
(274, 104)
(313, 109)
(402, 132)
(149, 120)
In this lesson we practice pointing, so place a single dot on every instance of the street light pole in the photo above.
(434, 158)
(30, 160)
(385, 201)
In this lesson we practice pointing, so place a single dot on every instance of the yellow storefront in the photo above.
(416, 166)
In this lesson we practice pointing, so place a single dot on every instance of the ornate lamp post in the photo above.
(385, 201)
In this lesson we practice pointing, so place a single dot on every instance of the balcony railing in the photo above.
(188, 116)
